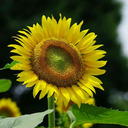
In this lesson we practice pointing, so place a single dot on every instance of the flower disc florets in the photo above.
(57, 62)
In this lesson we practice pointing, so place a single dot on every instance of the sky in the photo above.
(123, 28)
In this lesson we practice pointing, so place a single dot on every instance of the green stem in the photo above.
(51, 116)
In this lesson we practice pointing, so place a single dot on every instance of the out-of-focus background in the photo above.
(107, 18)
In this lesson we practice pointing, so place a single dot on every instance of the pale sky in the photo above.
(123, 28)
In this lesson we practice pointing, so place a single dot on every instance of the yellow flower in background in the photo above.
(8, 108)
(87, 125)
(57, 58)
(64, 120)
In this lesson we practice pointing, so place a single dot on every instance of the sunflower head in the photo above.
(57, 62)
(59, 59)
(8, 108)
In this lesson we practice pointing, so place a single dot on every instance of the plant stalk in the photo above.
(51, 116)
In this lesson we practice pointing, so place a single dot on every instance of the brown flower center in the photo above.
(6, 112)
(57, 62)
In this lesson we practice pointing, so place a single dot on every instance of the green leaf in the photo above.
(93, 114)
(5, 85)
(9, 65)
(25, 121)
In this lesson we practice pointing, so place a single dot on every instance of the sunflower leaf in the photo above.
(93, 114)
(7, 66)
(25, 121)
(5, 85)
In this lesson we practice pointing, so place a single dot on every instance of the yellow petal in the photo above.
(61, 99)
(20, 48)
(50, 90)
(56, 94)
(43, 84)
(94, 55)
(53, 26)
(43, 92)
(35, 35)
(85, 77)
(96, 84)
(87, 85)
(20, 59)
(95, 79)
(94, 71)
(71, 32)
(31, 79)
(39, 30)
(30, 84)
(87, 41)
(85, 88)
(59, 26)
(64, 25)
(36, 89)
(75, 34)
(39, 87)
(27, 47)
(20, 53)
(65, 94)
(29, 36)
(90, 101)
(86, 96)
(43, 20)
(95, 64)
(25, 33)
(20, 66)
(49, 27)
(90, 49)
(78, 91)
(25, 40)
(27, 76)
(81, 35)
(44, 25)
(73, 96)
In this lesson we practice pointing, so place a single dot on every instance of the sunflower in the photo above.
(8, 108)
(58, 59)
(64, 120)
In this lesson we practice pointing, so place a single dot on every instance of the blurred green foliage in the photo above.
(5, 85)
(100, 16)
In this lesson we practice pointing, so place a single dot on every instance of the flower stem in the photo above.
(51, 116)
